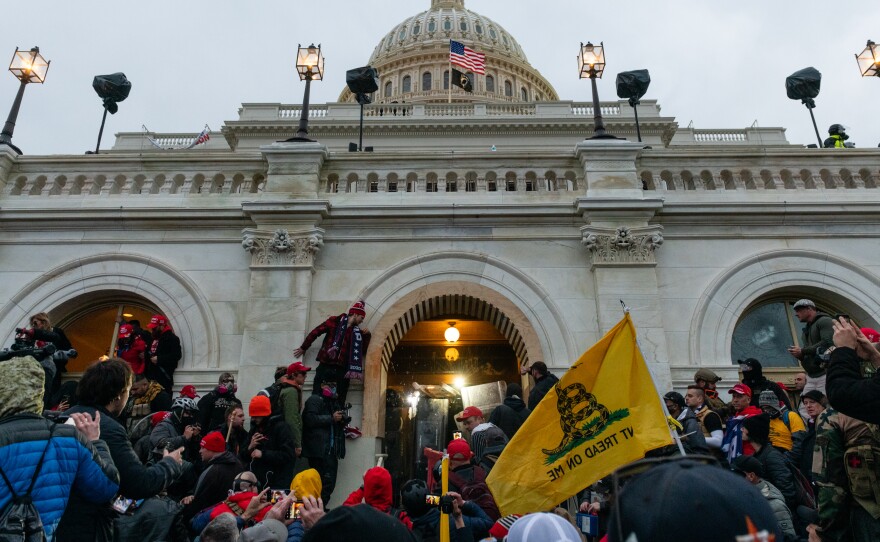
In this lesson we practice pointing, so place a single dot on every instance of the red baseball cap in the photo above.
(741, 389)
(125, 331)
(214, 442)
(468, 412)
(459, 450)
(157, 320)
(189, 391)
(297, 367)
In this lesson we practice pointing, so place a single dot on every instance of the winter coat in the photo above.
(237, 441)
(848, 391)
(777, 503)
(167, 434)
(541, 388)
(291, 409)
(279, 454)
(510, 415)
(694, 441)
(776, 472)
(214, 483)
(476, 522)
(321, 435)
(212, 407)
(328, 329)
(84, 520)
(816, 338)
(72, 466)
(168, 353)
(133, 352)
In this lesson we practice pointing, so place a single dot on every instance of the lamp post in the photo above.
(591, 64)
(309, 65)
(869, 60)
(27, 67)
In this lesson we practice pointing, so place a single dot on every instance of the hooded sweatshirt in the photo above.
(307, 484)
(376, 490)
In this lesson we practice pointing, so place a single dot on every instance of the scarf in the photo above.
(355, 361)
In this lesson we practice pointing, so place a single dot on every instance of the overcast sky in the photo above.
(192, 62)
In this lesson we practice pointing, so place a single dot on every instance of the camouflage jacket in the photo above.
(846, 471)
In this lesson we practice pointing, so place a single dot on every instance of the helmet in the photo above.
(412, 498)
(184, 403)
(838, 129)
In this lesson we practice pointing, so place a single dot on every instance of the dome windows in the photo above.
(492, 33)
(446, 80)
(407, 84)
(447, 24)
(478, 28)
(432, 26)
(490, 83)
(462, 24)
(524, 94)
(402, 35)
(508, 89)
(426, 81)
(417, 29)
(388, 89)
(505, 40)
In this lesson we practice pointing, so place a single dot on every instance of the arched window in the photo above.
(508, 89)
(524, 94)
(426, 81)
(490, 83)
(447, 24)
(768, 328)
(478, 28)
(492, 33)
(407, 84)
(446, 80)
(402, 34)
(462, 24)
(417, 29)
(388, 89)
(432, 25)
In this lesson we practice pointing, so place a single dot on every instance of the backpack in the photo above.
(803, 489)
(273, 392)
(477, 491)
(20, 521)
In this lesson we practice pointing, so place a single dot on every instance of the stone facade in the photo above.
(248, 242)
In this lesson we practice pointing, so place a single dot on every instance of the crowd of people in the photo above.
(126, 457)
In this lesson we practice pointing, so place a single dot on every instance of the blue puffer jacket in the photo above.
(71, 464)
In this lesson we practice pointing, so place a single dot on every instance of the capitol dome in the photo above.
(413, 60)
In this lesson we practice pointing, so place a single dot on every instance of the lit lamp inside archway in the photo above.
(452, 355)
(451, 334)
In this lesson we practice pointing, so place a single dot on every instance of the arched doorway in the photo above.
(432, 374)
(90, 322)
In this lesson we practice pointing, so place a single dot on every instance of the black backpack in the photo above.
(273, 392)
(20, 520)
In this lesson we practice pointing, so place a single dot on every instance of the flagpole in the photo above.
(672, 431)
(450, 76)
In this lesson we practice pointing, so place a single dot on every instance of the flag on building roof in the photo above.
(202, 137)
(603, 413)
(466, 57)
(463, 80)
(179, 142)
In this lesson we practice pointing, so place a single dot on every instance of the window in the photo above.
(417, 29)
(407, 84)
(402, 34)
(492, 33)
(530, 185)
(479, 28)
(389, 41)
(431, 186)
(374, 186)
(524, 94)
(452, 186)
(388, 89)
(470, 185)
(392, 186)
(504, 39)
(447, 24)
(446, 80)
(490, 83)
(426, 81)
(462, 24)
(508, 89)
(766, 330)
(491, 186)
(432, 25)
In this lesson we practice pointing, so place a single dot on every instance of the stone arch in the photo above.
(732, 292)
(178, 297)
(539, 322)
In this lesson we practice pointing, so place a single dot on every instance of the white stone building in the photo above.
(492, 211)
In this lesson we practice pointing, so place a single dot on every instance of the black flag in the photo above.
(463, 80)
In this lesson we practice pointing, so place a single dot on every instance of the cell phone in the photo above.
(122, 504)
(65, 399)
(277, 495)
(294, 511)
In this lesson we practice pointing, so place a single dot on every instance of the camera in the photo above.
(443, 502)
(294, 511)
(346, 417)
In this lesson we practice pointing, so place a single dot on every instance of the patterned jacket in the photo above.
(845, 474)
(328, 329)
(71, 464)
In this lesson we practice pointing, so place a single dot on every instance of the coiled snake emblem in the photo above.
(575, 405)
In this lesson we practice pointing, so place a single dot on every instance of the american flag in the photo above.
(466, 57)
(201, 138)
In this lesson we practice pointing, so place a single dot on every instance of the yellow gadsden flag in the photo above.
(602, 414)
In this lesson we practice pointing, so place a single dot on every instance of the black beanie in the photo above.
(758, 428)
(361, 523)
